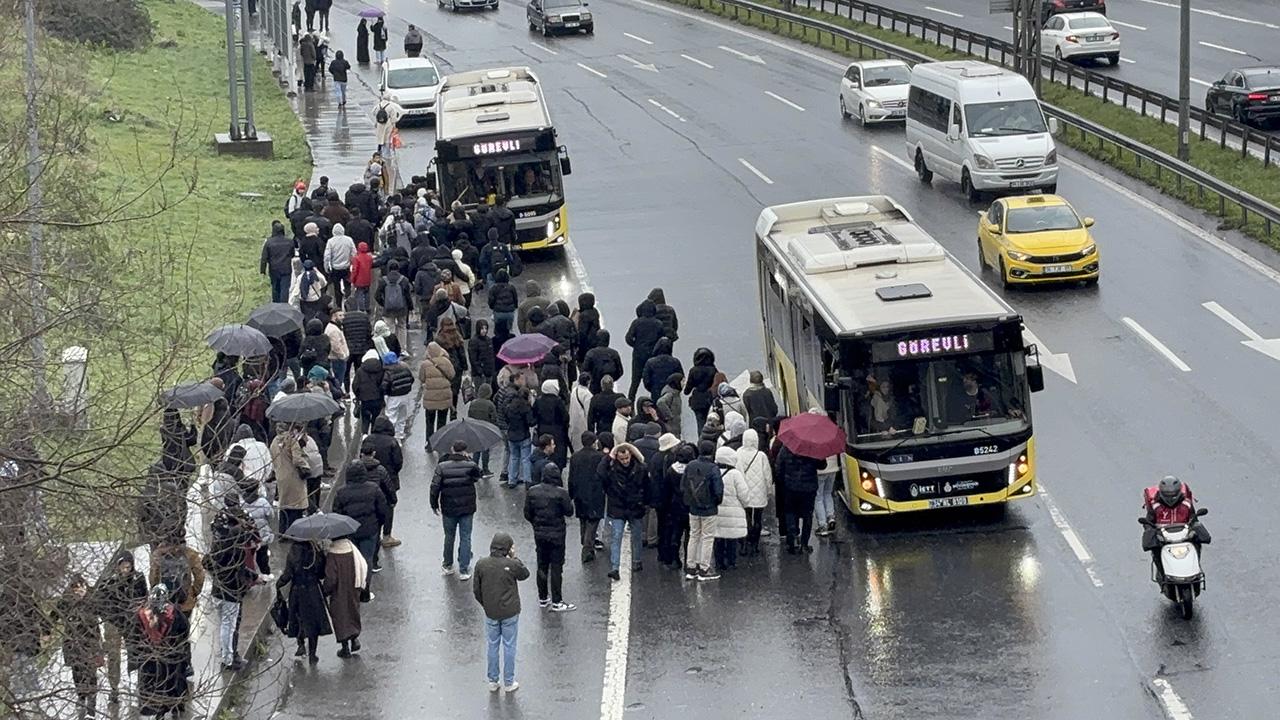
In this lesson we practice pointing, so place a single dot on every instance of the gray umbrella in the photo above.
(322, 526)
(276, 319)
(241, 340)
(189, 395)
(302, 407)
(477, 434)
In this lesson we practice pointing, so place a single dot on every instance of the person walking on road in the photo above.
(518, 418)
(367, 388)
(412, 42)
(587, 320)
(481, 355)
(670, 404)
(365, 503)
(289, 462)
(397, 388)
(483, 409)
(338, 254)
(666, 314)
(587, 492)
(394, 296)
(322, 13)
(546, 506)
(659, 368)
(379, 32)
(338, 68)
(553, 419)
(361, 276)
(643, 336)
(234, 538)
(277, 262)
(453, 497)
(504, 300)
(824, 502)
(304, 572)
(435, 375)
(345, 578)
(702, 489)
(362, 42)
(497, 590)
(625, 483)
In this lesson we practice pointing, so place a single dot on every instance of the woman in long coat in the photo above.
(362, 42)
(308, 618)
(165, 652)
(344, 580)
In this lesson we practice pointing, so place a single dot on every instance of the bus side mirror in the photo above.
(566, 167)
(1035, 378)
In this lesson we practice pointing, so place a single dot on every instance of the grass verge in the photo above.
(1230, 166)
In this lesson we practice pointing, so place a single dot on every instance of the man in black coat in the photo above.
(673, 516)
(587, 492)
(602, 360)
(277, 262)
(758, 400)
(118, 597)
(665, 313)
(384, 449)
(453, 496)
(298, 218)
(359, 229)
(603, 407)
(660, 367)
(504, 221)
(364, 502)
(797, 478)
(359, 197)
(625, 482)
(546, 506)
(642, 336)
(517, 418)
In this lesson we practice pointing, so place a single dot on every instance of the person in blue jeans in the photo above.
(453, 495)
(624, 491)
(518, 415)
(497, 590)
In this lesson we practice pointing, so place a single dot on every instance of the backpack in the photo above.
(514, 263)
(695, 489)
(393, 299)
(382, 117)
(176, 575)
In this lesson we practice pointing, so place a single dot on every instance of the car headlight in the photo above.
(873, 103)
(1019, 256)
(586, 16)
(1089, 250)
(1052, 157)
(983, 162)
(553, 18)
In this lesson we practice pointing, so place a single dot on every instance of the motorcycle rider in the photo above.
(1170, 503)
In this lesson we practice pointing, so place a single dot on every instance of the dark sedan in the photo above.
(557, 16)
(1249, 95)
(1054, 7)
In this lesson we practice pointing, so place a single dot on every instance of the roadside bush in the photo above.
(117, 24)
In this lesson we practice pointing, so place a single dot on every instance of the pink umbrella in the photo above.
(526, 349)
(812, 435)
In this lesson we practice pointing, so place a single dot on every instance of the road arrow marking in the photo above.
(1059, 363)
(637, 64)
(744, 56)
(1270, 348)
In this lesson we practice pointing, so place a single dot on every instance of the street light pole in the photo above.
(35, 202)
(1184, 83)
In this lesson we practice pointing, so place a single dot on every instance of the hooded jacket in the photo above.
(797, 473)
(503, 297)
(643, 335)
(315, 344)
(361, 231)
(386, 449)
(587, 320)
(753, 463)
(358, 196)
(586, 484)
(339, 251)
(602, 360)
(603, 410)
(703, 469)
(436, 377)
(120, 595)
(362, 501)
(482, 408)
(495, 582)
(453, 486)
(670, 406)
(533, 298)
(625, 485)
(670, 497)
(731, 517)
(546, 505)
(702, 377)
(665, 313)
(660, 366)
(358, 332)
(277, 255)
(480, 354)
(517, 418)
(367, 383)
(558, 327)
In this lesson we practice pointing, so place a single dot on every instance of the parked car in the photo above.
(1250, 95)
(559, 16)
(1049, 8)
(875, 91)
(413, 84)
(1081, 36)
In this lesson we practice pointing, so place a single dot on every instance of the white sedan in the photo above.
(1079, 36)
(875, 91)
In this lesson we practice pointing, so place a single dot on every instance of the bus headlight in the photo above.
(870, 483)
(1018, 470)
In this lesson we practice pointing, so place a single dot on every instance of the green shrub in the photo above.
(117, 24)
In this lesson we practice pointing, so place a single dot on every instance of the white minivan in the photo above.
(980, 126)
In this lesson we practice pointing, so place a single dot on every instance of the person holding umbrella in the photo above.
(807, 441)
(345, 580)
(365, 503)
(308, 617)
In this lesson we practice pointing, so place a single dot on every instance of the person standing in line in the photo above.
(339, 351)
(362, 42)
(82, 650)
(307, 53)
(453, 496)
(702, 488)
(345, 581)
(304, 572)
(643, 336)
(258, 508)
(379, 31)
(361, 275)
(481, 355)
(518, 418)
(587, 321)
(365, 503)
(579, 407)
(625, 483)
(603, 407)
(753, 463)
(659, 368)
(277, 261)
(294, 202)
(435, 375)
(731, 517)
(397, 388)
(587, 492)
(798, 482)
(290, 464)
(394, 295)
(602, 361)
(670, 404)
(503, 299)
(758, 400)
(119, 597)
(701, 382)
(322, 10)
(165, 649)
(553, 419)
(824, 502)
(673, 516)
(546, 506)
(412, 42)
(338, 254)
(483, 409)
(233, 536)
(178, 567)
(497, 590)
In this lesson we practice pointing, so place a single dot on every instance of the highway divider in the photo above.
(1238, 208)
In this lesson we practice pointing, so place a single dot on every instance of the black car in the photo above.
(1054, 7)
(553, 16)
(1249, 94)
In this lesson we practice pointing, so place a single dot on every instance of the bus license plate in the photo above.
(948, 502)
(1056, 269)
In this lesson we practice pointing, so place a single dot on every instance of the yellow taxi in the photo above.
(1036, 239)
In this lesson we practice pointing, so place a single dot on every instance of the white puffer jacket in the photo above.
(731, 518)
(754, 466)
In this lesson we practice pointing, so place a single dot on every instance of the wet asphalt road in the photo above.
(951, 616)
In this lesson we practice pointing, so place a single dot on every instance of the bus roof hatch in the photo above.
(847, 245)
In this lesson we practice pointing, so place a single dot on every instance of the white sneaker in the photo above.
(446, 570)
(464, 576)
(563, 607)
(514, 686)
(493, 686)
(544, 603)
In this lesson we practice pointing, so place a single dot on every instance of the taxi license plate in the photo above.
(1056, 269)
(948, 502)
(571, 24)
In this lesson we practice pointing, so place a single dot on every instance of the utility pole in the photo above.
(35, 204)
(1184, 83)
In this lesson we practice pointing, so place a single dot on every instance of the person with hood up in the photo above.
(797, 478)
(625, 483)
(586, 489)
(361, 274)
(367, 388)
(557, 326)
(234, 537)
(552, 417)
(666, 314)
(395, 296)
(673, 516)
(345, 581)
(503, 299)
(165, 650)
(481, 355)
(670, 404)
(397, 389)
(727, 401)
(497, 589)
(449, 338)
(453, 497)
(384, 341)
(304, 572)
(517, 417)
(358, 333)
(307, 290)
(603, 407)
(587, 321)
(365, 503)
(546, 506)
(483, 409)
(362, 41)
(757, 472)
(731, 515)
(701, 379)
(579, 406)
(533, 298)
(659, 368)
(277, 261)
(338, 254)
(758, 400)
(435, 375)
(702, 489)
(338, 68)
(379, 33)
(412, 42)
(338, 353)
(119, 596)
(734, 426)
(643, 336)
(82, 648)
(601, 361)
(315, 345)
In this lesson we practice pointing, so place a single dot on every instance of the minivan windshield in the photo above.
(1006, 117)
(886, 75)
(412, 77)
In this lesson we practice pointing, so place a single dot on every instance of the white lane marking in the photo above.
(637, 64)
(885, 153)
(1113, 21)
(1214, 13)
(1205, 83)
(1010, 29)
(543, 48)
(617, 640)
(698, 17)
(1059, 363)
(1154, 342)
(1127, 60)
(665, 109)
(1174, 707)
(940, 11)
(781, 99)
(1069, 534)
(1223, 48)
(1218, 243)
(696, 61)
(744, 56)
(753, 169)
(637, 38)
(592, 70)
(1231, 319)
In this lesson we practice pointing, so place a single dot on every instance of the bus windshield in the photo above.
(524, 180)
(910, 401)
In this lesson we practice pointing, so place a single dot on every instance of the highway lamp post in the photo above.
(35, 201)
(1184, 83)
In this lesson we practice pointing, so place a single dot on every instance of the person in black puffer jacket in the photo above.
(358, 332)
(665, 313)
(625, 482)
(660, 367)
(587, 320)
(315, 346)
(503, 299)
(365, 503)
(701, 380)
(546, 506)
(797, 478)
(453, 495)
(587, 491)
(481, 356)
(643, 335)
(367, 389)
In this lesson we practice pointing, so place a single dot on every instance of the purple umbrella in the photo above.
(526, 349)
(371, 13)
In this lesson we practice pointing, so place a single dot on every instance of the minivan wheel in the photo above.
(922, 170)
(966, 186)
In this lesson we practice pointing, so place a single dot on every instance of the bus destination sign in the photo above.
(932, 346)
(498, 146)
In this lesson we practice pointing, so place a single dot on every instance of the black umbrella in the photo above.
(241, 340)
(302, 407)
(477, 434)
(189, 395)
(322, 526)
(276, 319)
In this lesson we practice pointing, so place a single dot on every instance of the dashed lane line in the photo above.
(543, 48)
(940, 11)
(1174, 707)
(1223, 48)
(1069, 534)
(696, 61)
(665, 109)
(900, 161)
(755, 171)
(637, 38)
(783, 100)
(592, 70)
(1214, 13)
(1155, 343)
(617, 640)
(1131, 26)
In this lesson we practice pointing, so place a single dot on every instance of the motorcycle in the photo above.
(1182, 579)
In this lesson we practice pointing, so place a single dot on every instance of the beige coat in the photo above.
(289, 462)
(435, 374)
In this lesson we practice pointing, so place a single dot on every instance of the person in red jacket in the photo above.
(362, 275)
(1170, 503)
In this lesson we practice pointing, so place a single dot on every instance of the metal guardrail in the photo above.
(1265, 146)
(1250, 207)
